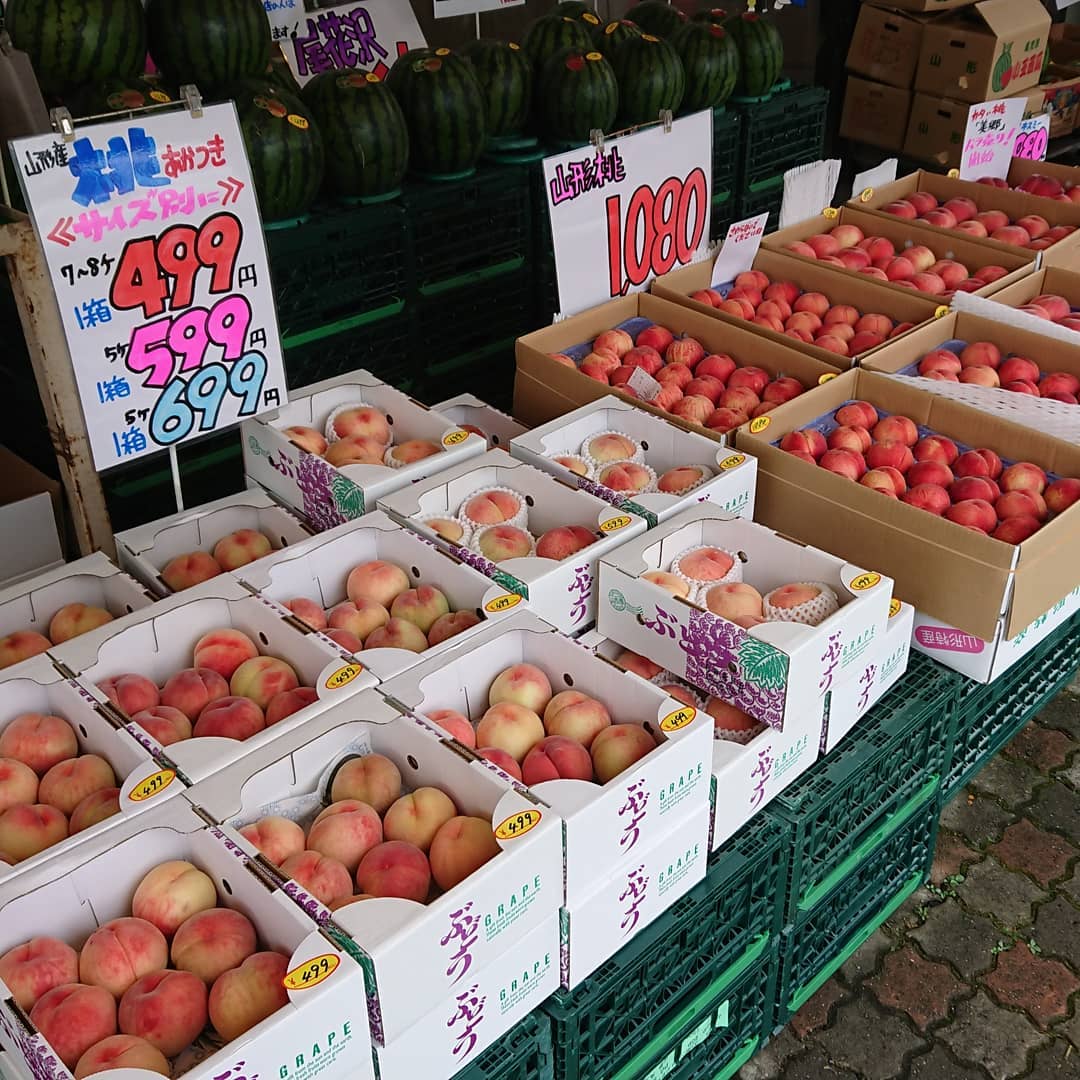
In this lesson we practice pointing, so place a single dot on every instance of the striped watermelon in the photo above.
(761, 52)
(551, 33)
(710, 59)
(278, 71)
(651, 78)
(73, 42)
(656, 17)
(120, 95)
(577, 92)
(363, 132)
(711, 15)
(283, 145)
(506, 77)
(208, 42)
(444, 110)
(615, 33)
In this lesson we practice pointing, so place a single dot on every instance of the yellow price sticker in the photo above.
(343, 676)
(831, 212)
(442, 52)
(502, 603)
(954, 174)
(894, 607)
(298, 121)
(677, 720)
(153, 785)
(866, 581)
(732, 462)
(160, 97)
(941, 311)
(517, 825)
(311, 973)
(759, 424)
(455, 438)
(866, 195)
(827, 377)
(615, 524)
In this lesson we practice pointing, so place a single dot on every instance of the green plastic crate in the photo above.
(723, 215)
(844, 797)
(728, 921)
(341, 262)
(990, 714)
(786, 130)
(896, 861)
(726, 147)
(523, 1053)
(767, 200)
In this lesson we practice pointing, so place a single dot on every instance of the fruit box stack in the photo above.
(252, 651)
(320, 571)
(1051, 283)
(185, 549)
(677, 468)
(69, 774)
(50, 608)
(506, 538)
(466, 942)
(300, 999)
(547, 388)
(633, 843)
(286, 452)
(470, 413)
(984, 591)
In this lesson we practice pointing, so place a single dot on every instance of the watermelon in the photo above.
(278, 71)
(656, 17)
(120, 95)
(363, 132)
(710, 59)
(505, 76)
(761, 53)
(284, 148)
(711, 15)
(651, 78)
(576, 92)
(444, 110)
(615, 33)
(73, 42)
(211, 43)
(551, 33)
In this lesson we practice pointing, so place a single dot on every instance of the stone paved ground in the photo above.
(977, 975)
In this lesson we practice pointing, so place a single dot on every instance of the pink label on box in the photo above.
(948, 640)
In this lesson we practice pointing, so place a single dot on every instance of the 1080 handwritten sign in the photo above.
(153, 239)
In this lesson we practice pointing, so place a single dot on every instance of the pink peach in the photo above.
(28, 829)
(371, 778)
(360, 617)
(617, 748)
(18, 783)
(122, 1052)
(241, 548)
(73, 1017)
(20, 646)
(119, 952)
(416, 818)
(324, 878)
(186, 571)
(456, 724)
(73, 620)
(461, 847)
(167, 725)
(230, 718)
(377, 581)
(396, 869)
(222, 651)
(31, 970)
(166, 1008)
(397, 634)
(97, 807)
(362, 421)
(130, 693)
(511, 727)
(576, 716)
(171, 893)
(345, 831)
(67, 783)
(275, 837)
(247, 995)
(211, 942)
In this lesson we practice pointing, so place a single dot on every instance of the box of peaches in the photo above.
(341, 444)
(971, 514)
(160, 950)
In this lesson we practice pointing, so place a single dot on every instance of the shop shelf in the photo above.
(990, 714)
(727, 925)
(786, 130)
(839, 805)
(893, 866)
(343, 261)
(523, 1053)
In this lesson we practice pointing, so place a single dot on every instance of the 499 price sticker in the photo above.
(517, 825)
(152, 786)
(311, 973)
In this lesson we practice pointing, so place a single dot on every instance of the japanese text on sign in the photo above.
(1033, 138)
(740, 248)
(990, 137)
(154, 244)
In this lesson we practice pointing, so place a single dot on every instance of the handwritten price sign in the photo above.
(1033, 138)
(153, 240)
(626, 212)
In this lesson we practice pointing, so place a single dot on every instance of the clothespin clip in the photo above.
(596, 137)
(666, 119)
(189, 94)
(63, 123)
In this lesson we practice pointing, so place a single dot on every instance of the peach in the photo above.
(807, 441)
(780, 390)
(927, 497)
(73, 1017)
(167, 725)
(489, 508)
(971, 463)
(655, 337)
(681, 478)
(973, 228)
(900, 269)
(307, 438)
(362, 421)
(704, 386)
(673, 374)
(626, 476)
(901, 208)
(617, 341)
(856, 439)
(323, 877)
(21, 646)
(718, 365)
(420, 606)
(521, 684)
(832, 343)
(501, 758)
(734, 600)
(397, 869)
(974, 487)
(556, 758)
(847, 236)
(857, 414)
(119, 952)
(456, 724)
(171, 893)
(750, 378)
(880, 480)
(510, 727)
(843, 463)
(345, 831)
(896, 429)
(814, 302)
(684, 350)
(695, 409)
(823, 245)
(18, 783)
(308, 612)
(940, 360)
(130, 693)
(362, 617)
(501, 542)
(31, 970)
(397, 634)
(417, 817)
(166, 1008)
(724, 420)
(28, 829)
(787, 291)
(230, 718)
(1016, 530)
(451, 530)
(739, 309)
(973, 514)
(929, 472)
(275, 837)
(1018, 367)
(122, 1052)
(979, 376)
(72, 620)
(98, 806)
(1021, 504)
(640, 665)
(211, 942)
(752, 279)
(372, 778)
(461, 847)
(192, 690)
(191, 569)
(346, 640)
(935, 448)
(617, 748)
(413, 450)
(706, 564)
(562, 542)
(577, 716)
(791, 596)
(260, 678)
(286, 703)
(668, 582)
(739, 398)
(223, 651)
(1023, 476)
(247, 995)
(376, 581)
(1061, 494)
(68, 782)
(728, 717)
(356, 450)
(643, 357)
(1060, 382)
(241, 548)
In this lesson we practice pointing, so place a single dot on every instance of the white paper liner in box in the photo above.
(706, 475)
(590, 473)
(742, 738)
(638, 455)
(329, 433)
(648, 489)
(479, 535)
(733, 575)
(520, 520)
(467, 529)
(988, 308)
(811, 613)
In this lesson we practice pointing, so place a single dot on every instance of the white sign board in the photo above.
(445, 8)
(990, 138)
(367, 36)
(879, 176)
(1033, 138)
(808, 189)
(154, 244)
(627, 212)
(284, 16)
(740, 248)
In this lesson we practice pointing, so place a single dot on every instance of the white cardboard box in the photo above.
(606, 825)
(665, 447)
(323, 1030)
(417, 957)
(773, 671)
(467, 409)
(319, 569)
(327, 496)
(160, 641)
(563, 593)
(145, 551)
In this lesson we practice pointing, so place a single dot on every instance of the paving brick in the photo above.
(815, 1065)
(976, 817)
(815, 1013)
(951, 856)
(921, 988)
(1057, 807)
(910, 913)
(1072, 774)
(938, 1065)
(767, 1063)
(965, 940)
(1072, 886)
(864, 961)
(1063, 713)
(1038, 985)
(985, 1034)
(1005, 896)
(1057, 1062)
(1040, 747)
(1057, 930)
(871, 1043)
(1070, 1029)
(1035, 851)
(1011, 782)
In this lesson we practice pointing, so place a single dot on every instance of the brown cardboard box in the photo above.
(875, 113)
(974, 254)
(935, 130)
(1022, 169)
(929, 6)
(961, 577)
(544, 389)
(885, 46)
(1059, 94)
(994, 50)
(1053, 280)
